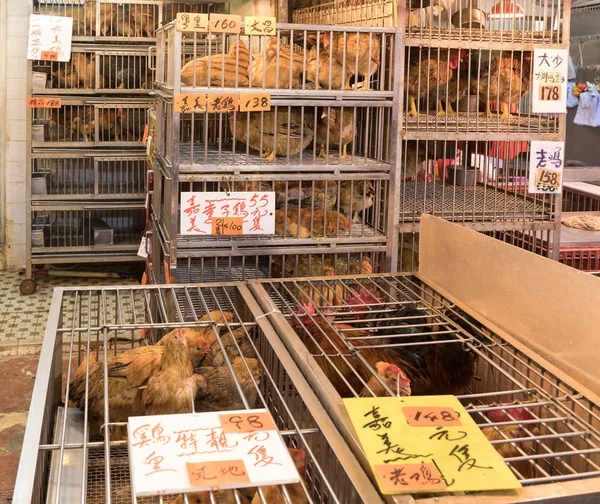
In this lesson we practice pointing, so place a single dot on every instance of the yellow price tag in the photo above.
(548, 180)
(225, 23)
(222, 102)
(189, 103)
(426, 444)
(255, 25)
(255, 102)
(191, 22)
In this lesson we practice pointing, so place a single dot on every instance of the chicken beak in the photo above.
(323, 115)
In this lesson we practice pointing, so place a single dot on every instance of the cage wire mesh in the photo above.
(103, 323)
(353, 328)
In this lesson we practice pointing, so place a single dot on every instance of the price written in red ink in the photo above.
(410, 477)
(430, 416)
(224, 23)
(49, 56)
(218, 473)
(247, 422)
(550, 93)
(44, 102)
(227, 226)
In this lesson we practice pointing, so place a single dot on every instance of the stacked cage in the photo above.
(88, 168)
(466, 113)
(306, 112)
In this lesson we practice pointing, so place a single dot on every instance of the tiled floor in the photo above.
(23, 318)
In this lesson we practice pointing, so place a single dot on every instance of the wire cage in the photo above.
(91, 122)
(329, 136)
(463, 93)
(580, 197)
(122, 20)
(380, 13)
(64, 459)
(338, 330)
(103, 69)
(470, 181)
(319, 61)
(65, 228)
(102, 175)
(308, 209)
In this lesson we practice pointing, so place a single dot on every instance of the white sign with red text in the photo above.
(195, 452)
(49, 38)
(227, 213)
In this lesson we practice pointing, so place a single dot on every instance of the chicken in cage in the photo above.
(394, 335)
(477, 181)
(215, 347)
(309, 136)
(338, 59)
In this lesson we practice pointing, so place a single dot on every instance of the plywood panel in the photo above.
(553, 309)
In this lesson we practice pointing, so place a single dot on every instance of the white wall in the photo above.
(13, 126)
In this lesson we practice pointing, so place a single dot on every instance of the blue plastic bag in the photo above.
(572, 100)
(588, 113)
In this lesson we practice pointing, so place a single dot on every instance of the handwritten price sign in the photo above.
(550, 72)
(426, 444)
(247, 422)
(222, 102)
(225, 23)
(187, 22)
(44, 102)
(255, 102)
(546, 162)
(49, 38)
(189, 103)
(198, 452)
(220, 213)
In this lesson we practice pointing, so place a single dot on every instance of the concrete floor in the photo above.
(22, 324)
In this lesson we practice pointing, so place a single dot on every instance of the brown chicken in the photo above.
(142, 20)
(266, 66)
(355, 197)
(215, 357)
(86, 69)
(504, 78)
(174, 386)
(324, 70)
(291, 127)
(508, 450)
(335, 125)
(85, 126)
(273, 495)
(204, 332)
(313, 194)
(227, 70)
(107, 14)
(433, 71)
(453, 90)
(306, 223)
(393, 377)
(221, 393)
(359, 53)
(66, 76)
(347, 373)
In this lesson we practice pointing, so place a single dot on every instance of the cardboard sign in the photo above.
(49, 38)
(144, 247)
(222, 102)
(44, 102)
(193, 452)
(546, 163)
(202, 212)
(255, 102)
(189, 103)
(423, 458)
(225, 23)
(259, 25)
(187, 22)
(550, 75)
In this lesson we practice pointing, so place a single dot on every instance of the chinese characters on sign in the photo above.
(44, 102)
(550, 72)
(259, 25)
(546, 161)
(222, 102)
(425, 444)
(221, 213)
(189, 103)
(192, 22)
(195, 452)
(49, 38)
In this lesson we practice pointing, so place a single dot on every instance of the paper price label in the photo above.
(189, 103)
(222, 102)
(217, 474)
(259, 25)
(549, 75)
(431, 416)
(228, 226)
(187, 22)
(546, 163)
(49, 56)
(548, 180)
(224, 23)
(255, 102)
(550, 93)
(247, 422)
(44, 102)
(423, 477)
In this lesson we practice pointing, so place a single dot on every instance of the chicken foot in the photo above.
(344, 154)
(412, 112)
(269, 156)
(448, 111)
